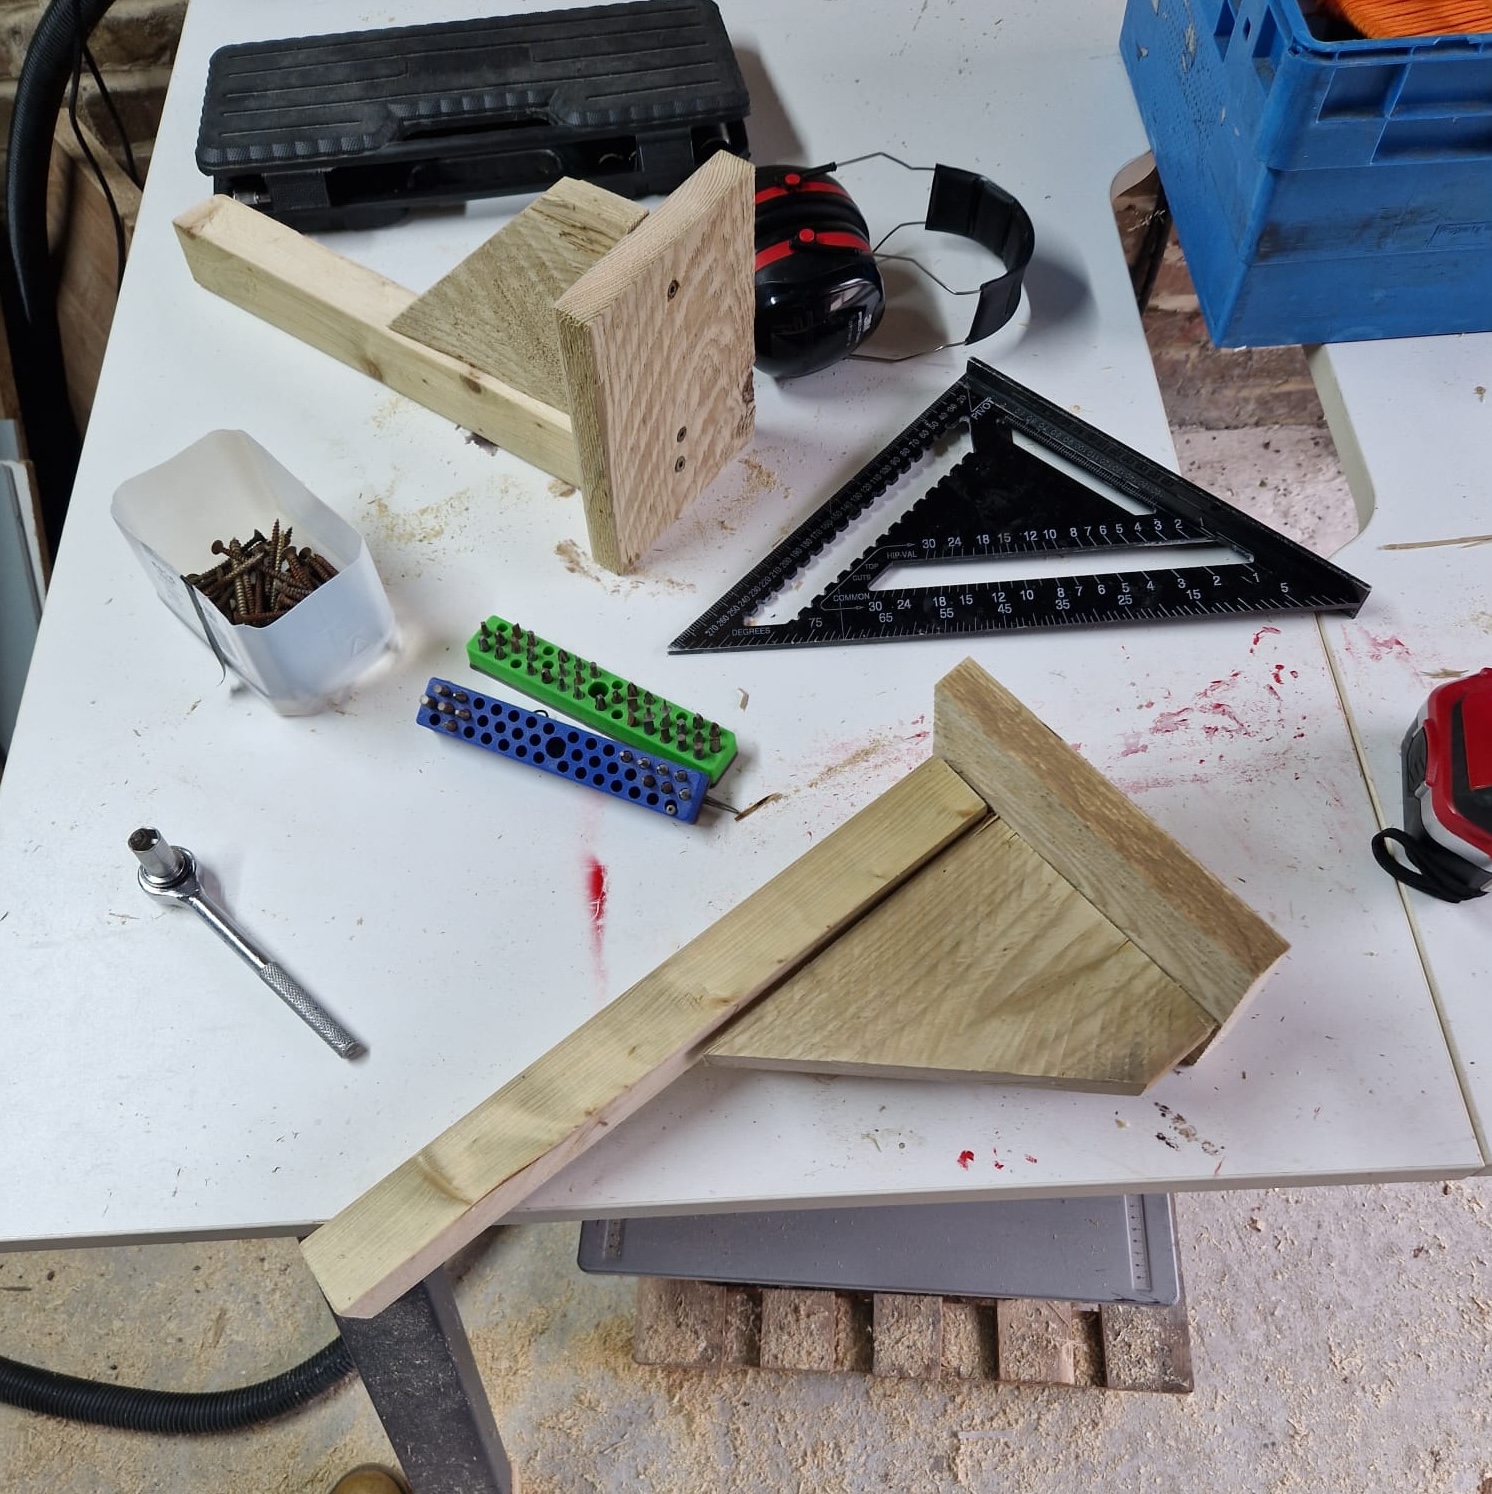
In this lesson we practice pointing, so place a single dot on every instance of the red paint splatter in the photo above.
(999, 1167)
(1378, 648)
(1217, 708)
(1260, 634)
(964, 1158)
(1029, 1157)
(1279, 674)
(1219, 1166)
(1225, 719)
(1133, 744)
(596, 892)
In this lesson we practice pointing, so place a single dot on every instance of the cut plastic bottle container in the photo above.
(226, 486)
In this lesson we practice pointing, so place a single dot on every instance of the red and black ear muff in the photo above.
(804, 211)
(818, 290)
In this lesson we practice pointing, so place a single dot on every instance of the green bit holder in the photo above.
(595, 697)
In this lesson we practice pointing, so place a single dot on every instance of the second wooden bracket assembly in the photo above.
(610, 347)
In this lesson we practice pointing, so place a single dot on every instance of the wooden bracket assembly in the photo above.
(1069, 941)
(608, 346)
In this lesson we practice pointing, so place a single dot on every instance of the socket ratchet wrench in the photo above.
(169, 874)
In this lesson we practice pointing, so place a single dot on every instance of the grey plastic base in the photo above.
(1110, 1249)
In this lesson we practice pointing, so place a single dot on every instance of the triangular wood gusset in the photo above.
(1002, 912)
(1066, 941)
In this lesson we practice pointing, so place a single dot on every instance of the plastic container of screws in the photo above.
(228, 484)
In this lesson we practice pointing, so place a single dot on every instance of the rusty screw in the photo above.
(261, 580)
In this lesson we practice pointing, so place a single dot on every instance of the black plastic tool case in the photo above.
(353, 130)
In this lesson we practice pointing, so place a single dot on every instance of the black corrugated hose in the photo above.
(172, 1412)
(53, 438)
(41, 378)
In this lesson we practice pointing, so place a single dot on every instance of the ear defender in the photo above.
(818, 291)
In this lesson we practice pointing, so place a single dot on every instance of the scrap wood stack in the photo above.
(1118, 1346)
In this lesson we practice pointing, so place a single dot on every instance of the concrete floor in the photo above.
(1342, 1337)
(1342, 1342)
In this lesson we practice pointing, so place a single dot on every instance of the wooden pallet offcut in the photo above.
(1013, 1341)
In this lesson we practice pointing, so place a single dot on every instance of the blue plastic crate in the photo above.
(1323, 190)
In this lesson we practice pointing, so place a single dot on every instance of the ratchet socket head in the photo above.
(162, 865)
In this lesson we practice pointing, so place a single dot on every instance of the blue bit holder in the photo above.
(528, 736)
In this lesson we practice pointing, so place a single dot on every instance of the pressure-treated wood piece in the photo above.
(679, 1323)
(813, 1330)
(415, 1218)
(968, 1339)
(496, 308)
(1035, 1341)
(1147, 1348)
(348, 311)
(1207, 940)
(987, 964)
(655, 341)
(657, 344)
(907, 1336)
(696, 1324)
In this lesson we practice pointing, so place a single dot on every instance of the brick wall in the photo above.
(134, 46)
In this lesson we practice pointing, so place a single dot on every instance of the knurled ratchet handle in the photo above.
(315, 1016)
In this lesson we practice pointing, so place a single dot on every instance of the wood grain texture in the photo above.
(696, 1324)
(1206, 939)
(987, 964)
(679, 1323)
(1034, 1341)
(1017, 1341)
(906, 1336)
(657, 343)
(412, 1221)
(322, 299)
(495, 310)
(819, 1331)
(1147, 1348)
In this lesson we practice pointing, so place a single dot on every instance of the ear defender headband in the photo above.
(819, 293)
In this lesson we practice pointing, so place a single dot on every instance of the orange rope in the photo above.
(1382, 18)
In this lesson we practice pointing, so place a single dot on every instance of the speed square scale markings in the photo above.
(1008, 498)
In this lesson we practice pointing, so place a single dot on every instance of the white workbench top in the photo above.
(1413, 421)
(440, 902)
